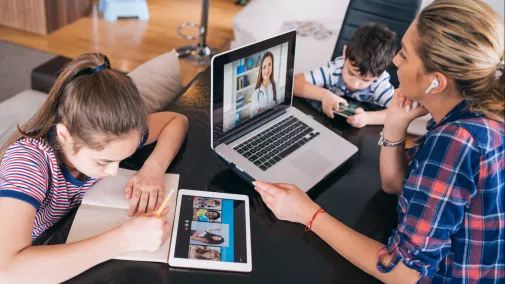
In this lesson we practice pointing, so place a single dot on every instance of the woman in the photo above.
(265, 93)
(207, 254)
(207, 215)
(207, 237)
(451, 224)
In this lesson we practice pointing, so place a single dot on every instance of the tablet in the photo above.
(211, 231)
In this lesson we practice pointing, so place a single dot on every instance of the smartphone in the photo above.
(346, 111)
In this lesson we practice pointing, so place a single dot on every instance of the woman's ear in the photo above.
(442, 83)
(343, 52)
(64, 134)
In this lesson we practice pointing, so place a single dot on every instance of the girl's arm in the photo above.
(147, 187)
(169, 129)
(22, 263)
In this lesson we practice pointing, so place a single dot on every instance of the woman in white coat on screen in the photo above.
(265, 93)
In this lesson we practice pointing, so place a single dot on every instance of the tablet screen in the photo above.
(211, 229)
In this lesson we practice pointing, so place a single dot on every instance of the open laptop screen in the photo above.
(251, 81)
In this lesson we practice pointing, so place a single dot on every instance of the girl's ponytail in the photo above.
(89, 98)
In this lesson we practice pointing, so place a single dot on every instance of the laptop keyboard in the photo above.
(276, 143)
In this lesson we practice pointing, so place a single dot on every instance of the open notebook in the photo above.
(104, 208)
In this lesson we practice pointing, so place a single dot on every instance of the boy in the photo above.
(360, 74)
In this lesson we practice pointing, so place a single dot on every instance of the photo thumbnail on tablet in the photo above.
(207, 202)
(207, 215)
(205, 252)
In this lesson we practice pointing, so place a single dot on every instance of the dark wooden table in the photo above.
(282, 252)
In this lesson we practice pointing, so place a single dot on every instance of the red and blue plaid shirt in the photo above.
(451, 226)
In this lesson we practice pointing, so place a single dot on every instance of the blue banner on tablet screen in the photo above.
(227, 253)
(211, 229)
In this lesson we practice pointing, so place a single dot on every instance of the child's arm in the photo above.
(169, 129)
(304, 89)
(146, 187)
(362, 118)
(22, 263)
(329, 100)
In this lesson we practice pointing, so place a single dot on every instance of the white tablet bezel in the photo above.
(205, 264)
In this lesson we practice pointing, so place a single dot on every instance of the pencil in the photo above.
(165, 202)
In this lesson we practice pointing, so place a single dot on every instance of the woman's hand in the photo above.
(146, 190)
(146, 232)
(287, 201)
(359, 119)
(331, 102)
(400, 113)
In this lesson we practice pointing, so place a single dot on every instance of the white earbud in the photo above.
(434, 84)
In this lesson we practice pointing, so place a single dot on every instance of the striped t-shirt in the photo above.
(329, 76)
(30, 172)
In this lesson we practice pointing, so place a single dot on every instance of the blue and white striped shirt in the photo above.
(380, 92)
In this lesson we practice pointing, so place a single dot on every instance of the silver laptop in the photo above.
(254, 126)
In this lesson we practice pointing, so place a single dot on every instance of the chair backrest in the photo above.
(396, 14)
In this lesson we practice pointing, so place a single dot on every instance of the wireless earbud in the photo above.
(434, 84)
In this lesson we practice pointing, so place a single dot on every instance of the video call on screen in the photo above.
(211, 229)
(253, 85)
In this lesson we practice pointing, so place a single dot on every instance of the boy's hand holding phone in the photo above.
(359, 119)
(331, 102)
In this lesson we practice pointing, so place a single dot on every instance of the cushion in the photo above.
(18, 110)
(159, 80)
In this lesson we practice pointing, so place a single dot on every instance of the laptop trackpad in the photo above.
(311, 163)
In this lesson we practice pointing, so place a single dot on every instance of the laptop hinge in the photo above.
(254, 126)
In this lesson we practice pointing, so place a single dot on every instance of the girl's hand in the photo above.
(287, 201)
(146, 232)
(359, 119)
(400, 113)
(146, 190)
(331, 102)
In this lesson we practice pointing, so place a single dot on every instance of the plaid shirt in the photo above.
(451, 223)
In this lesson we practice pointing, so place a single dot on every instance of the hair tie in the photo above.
(99, 68)
(500, 69)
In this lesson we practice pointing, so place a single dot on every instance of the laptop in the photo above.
(255, 128)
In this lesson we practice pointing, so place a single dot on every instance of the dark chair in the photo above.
(396, 14)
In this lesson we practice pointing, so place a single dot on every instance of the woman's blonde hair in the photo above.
(463, 39)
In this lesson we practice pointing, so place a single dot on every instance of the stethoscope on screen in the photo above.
(260, 93)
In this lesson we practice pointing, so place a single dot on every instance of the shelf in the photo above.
(242, 108)
(243, 89)
(255, 69)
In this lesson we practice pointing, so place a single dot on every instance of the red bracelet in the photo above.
(309, 224)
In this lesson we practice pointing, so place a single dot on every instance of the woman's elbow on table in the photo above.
(391, 187)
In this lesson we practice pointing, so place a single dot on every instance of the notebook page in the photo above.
(109, 191)
(92, 220)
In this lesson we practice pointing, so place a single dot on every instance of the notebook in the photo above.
(104, 208)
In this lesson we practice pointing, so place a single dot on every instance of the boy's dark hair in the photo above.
(371, 49)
